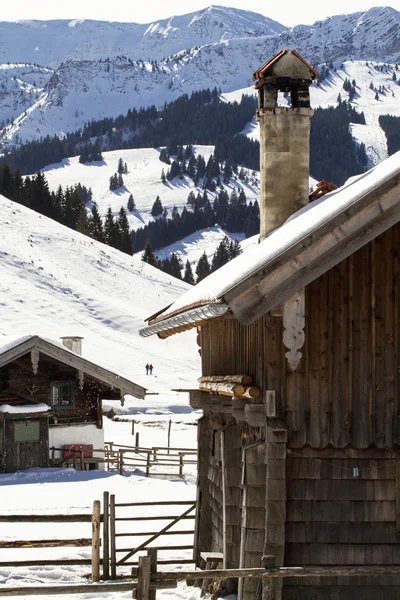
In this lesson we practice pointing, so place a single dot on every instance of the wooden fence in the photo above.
(146, 580)
(95, 518)
(124, 457)
(115, 514)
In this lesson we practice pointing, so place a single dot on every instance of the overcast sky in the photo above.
(291, 12)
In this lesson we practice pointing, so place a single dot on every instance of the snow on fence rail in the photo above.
(157, 456)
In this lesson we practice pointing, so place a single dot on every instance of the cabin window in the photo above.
(62, 394)
(28, 431)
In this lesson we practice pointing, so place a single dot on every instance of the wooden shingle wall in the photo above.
(346, 388)
(333, 518)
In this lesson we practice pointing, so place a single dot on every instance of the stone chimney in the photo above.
(284, 137)
(73, 343)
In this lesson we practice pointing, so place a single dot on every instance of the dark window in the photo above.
(62, 394)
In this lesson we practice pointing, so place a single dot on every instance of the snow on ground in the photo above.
(143, 181)
(56, 282)
(194, 245)
(68, 491)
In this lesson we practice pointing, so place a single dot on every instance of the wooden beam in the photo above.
(223, 388)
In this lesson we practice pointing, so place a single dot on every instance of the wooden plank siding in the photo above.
(345, 389)
(335, 518)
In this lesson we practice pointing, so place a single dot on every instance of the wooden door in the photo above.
(27, 444)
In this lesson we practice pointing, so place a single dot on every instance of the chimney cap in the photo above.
(269, 67)
(71, 337)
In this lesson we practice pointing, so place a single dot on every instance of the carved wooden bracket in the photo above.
(293, 327)
(81, 377)
(35, 360)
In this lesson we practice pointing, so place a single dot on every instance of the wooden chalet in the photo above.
(50, 397)
(299, 445)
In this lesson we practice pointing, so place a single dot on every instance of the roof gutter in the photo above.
(189, 317)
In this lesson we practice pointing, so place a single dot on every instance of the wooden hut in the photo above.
(50, 396)
(298, 447)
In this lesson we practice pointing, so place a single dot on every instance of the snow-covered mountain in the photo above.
(55, 281)
(95, 69)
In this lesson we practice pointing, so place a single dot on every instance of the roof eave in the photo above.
(187, 319)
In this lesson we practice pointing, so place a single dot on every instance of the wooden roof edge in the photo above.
(320, 250)
(57, 351)
(259, 73)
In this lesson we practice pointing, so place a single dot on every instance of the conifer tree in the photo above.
(131, 204)
(188, 276)
(148, 255)
(202, 268)
(96, 224)
(157, 208)
(124, 238)
(110, 229)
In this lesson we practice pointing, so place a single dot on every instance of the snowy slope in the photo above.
(103, 69)
(57, 282)
(143, 181)
(325, 94)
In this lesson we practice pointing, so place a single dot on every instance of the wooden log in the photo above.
(96, 541)
(223, 388)
(242, 379)
(144, 573)
(77, 543)
(251, 392)
(106, 535)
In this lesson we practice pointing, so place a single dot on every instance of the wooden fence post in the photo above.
(53, 454)
(106, 536)
(121, 462)
(169, 435)
(113, 554)
(180, 464)
(152, 553)
(137, 441)
(133, 427)
(143, 584)
(96, 541)
(148, 464)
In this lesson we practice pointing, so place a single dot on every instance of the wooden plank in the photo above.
(398, 496)
(224, 486)
(106, 535)
(71, 543)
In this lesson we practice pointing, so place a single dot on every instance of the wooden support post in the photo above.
(133, 427)
(152, 553)
(82, 466)
(143, 585)
(53, 453)
(223, 477)
(148, 463)
(121, 461)
(398, 497)
(137, 441)
(113, 554)
(169, 435)
(96, 541)
(275, 504)
(106, 535)
(267, 562)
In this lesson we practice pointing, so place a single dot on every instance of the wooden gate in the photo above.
(145, 514)
(26, 443)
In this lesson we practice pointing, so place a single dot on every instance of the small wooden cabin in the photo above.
(298, 447)
(50, 396)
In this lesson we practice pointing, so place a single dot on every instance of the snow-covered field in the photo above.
(143, 181)
(68, 491)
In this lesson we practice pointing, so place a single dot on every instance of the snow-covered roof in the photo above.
(15, 348)
(303, 248)
(24, 409)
